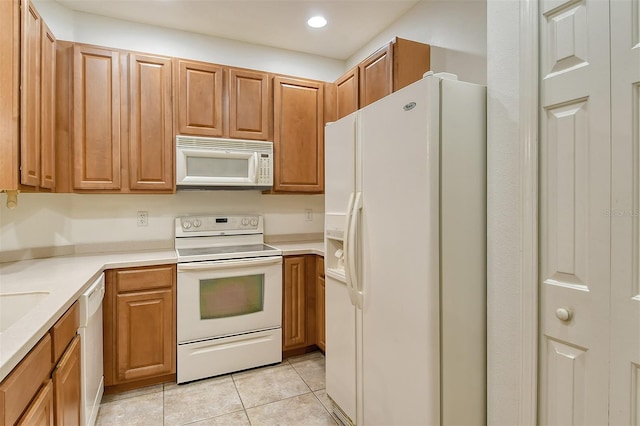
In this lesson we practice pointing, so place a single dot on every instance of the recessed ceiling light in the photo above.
(317, 22)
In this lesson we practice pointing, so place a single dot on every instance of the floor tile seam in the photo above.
(323, 406)
(215, 417)
(279, 400)
(302, 378)
(124, 398)
(235, 386)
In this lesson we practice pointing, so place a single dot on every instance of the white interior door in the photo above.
(625, 225)
(574, 198)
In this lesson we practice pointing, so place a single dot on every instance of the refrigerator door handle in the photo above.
(352, 247)
(347, 254)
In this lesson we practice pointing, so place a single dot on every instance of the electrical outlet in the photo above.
(143, 218)
(308, 215)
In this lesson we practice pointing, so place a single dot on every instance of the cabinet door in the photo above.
(66, 386)
(30, 96)
(47, 108)
(144, 343)
(40, 411)
(347, 93)
(376, 76)
(199, 97)
(320, 305)
(10, 94)
(151, 130)
(96, 118)
(249, 104)
(298, 135)
(294, 331)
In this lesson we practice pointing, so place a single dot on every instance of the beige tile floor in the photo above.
(290, 393)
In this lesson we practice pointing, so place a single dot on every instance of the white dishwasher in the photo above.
(91, 346)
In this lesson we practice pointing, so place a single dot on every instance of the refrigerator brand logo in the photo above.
(409, 106)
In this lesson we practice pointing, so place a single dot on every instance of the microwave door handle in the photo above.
(224, 264)
(254, 171)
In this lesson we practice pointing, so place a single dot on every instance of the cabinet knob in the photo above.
(564, 314)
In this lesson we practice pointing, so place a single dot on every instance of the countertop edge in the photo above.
(99, 263)
(8, 361)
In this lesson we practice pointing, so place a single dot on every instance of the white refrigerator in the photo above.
(405, 248)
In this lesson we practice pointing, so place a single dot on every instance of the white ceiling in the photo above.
(266, 22)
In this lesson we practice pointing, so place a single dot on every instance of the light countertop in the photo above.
(294, 248)
(65, 278)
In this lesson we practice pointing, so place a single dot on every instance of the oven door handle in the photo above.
(224, 264)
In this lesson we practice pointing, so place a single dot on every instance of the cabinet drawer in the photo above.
(21, 385)
(144, 278)
(63, 331)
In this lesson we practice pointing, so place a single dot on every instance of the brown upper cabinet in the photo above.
(347, 93)
(30, 96)
(219, 101)
(199, 98)
(376, 75)
(96, 118)
(114, 121)
(10, 95)
(249, 104)
(388, 69)
(47, 108)
(27, 86)
(298, 135)
(151, 129)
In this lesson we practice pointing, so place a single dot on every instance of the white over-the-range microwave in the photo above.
(216, 163)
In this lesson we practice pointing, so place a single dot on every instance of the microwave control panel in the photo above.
(265, 172)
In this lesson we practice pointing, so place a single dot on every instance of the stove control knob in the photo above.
(186, 224)
(254, 222)
(197, 223)
(245, 221)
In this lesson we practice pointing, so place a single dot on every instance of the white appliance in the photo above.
(210, 163)
(405, 238)
(229, 303)
(92, 381)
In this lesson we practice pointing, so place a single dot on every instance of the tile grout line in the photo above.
(235, 386)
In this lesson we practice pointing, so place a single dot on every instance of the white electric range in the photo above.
(229, 297)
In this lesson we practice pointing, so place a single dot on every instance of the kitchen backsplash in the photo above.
(52, 220)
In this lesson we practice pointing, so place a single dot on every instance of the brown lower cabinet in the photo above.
(139, 327)
(300, 315)
(320, 306)
(40, 411)
(44, 388)
(66, 386)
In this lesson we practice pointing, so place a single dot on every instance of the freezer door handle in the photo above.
(352, 237)
(347, 252)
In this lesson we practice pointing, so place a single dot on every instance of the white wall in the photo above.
(455, 29)
(93, 29)
(44, 220)
(40, 220)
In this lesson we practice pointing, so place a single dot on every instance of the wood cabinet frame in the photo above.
(133, 292)
(299, 310)
(298, 143)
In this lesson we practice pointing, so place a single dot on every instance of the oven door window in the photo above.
(231, 296)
